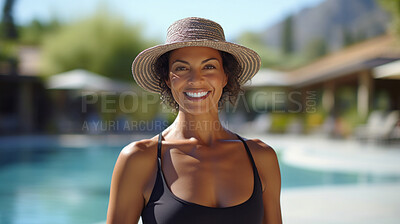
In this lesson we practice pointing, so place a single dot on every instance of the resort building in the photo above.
(343, 87)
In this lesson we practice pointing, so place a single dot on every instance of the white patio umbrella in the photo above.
(80, 79)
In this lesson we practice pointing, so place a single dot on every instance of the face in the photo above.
(196, 78)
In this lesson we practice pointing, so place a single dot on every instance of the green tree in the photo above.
(393, 7)
(269, 57)
(315, 48)
(347, 38)
(8, 28)
(36, 30)
(287, 36)
(104, 44)
(8, 39)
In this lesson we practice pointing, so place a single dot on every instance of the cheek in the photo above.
(176, 85)
(175, 82)
(219, 82)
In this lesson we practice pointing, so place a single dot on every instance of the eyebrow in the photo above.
(177, 60)
(209, 60)
(185, 62)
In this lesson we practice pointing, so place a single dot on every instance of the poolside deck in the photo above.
(345, 204)
(367, 204)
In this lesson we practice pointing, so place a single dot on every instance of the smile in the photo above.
(197, 95)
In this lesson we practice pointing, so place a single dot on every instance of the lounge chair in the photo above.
(380, 126)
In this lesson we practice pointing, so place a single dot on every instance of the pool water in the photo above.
(55, 185)
(60, 185)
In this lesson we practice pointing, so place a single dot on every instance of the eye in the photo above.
(180, 68)
(209, 67)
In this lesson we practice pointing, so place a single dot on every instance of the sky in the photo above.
(235, 16)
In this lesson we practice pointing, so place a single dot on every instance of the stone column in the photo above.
(25, 107)
(364, 93)
(328, 97)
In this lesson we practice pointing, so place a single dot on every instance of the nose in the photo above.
(195, 77)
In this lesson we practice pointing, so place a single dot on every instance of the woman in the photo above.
(196, 171)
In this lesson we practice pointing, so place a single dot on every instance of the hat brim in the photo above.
(145, 76)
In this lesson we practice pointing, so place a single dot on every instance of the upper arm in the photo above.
(131, 174)
(268, 166)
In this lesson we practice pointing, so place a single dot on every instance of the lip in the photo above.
(197, 98)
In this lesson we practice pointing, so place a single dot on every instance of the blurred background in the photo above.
(327, 99)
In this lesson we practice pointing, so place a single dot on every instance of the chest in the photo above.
(221, 178)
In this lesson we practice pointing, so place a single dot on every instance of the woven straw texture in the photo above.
(190, 32)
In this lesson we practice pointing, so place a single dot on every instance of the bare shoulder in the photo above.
(141, 148)
(266, 162)
(136, 162)
(132, 172)
(261, 150)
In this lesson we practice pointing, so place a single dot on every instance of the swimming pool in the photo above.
(57, 184)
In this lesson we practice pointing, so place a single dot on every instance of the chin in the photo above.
(199, 110)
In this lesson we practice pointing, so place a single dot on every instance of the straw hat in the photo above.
(190, 32)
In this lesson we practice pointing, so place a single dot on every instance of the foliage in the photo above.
(287, 35)
(269, 57)
(103, 44)
(35, 31)
(8, 28)
(8, 39)
(281, 122)
(393, 7)
(346, 108)
(381, 100)
(285, 59)
(347, 37)
(315, 49)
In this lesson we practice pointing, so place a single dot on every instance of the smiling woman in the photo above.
(196, 77)
(230, 91)
(196, 171)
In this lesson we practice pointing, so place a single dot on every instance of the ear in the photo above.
(225, 80)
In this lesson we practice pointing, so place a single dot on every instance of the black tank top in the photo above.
(166, 208)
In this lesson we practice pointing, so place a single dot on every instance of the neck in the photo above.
(206, 128)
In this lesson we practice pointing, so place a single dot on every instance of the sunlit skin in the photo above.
(202, 162)
(196, 69)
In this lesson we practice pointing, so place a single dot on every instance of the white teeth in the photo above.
(196, 94)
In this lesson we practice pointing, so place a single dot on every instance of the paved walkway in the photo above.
(367, 204)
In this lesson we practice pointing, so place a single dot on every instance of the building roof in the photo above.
(268, 77)
(362, 56)
(365, 55)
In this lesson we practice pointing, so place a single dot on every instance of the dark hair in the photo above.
(229, 93)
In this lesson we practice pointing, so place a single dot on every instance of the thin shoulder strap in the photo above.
(257, 180)
(159, 150)
(248, 152)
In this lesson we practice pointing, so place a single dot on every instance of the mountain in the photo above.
(335, 22)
